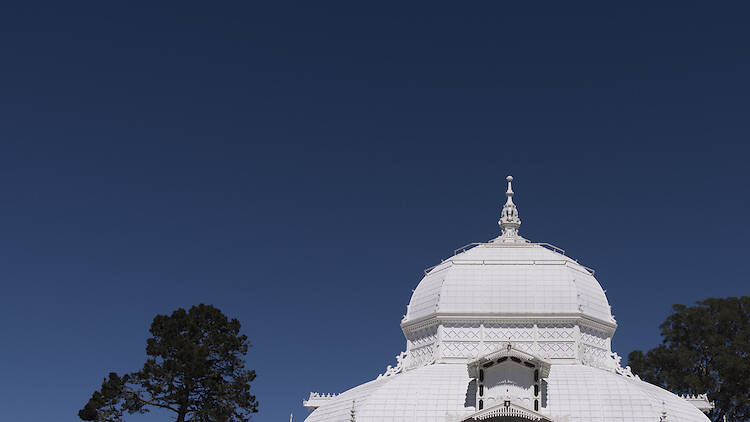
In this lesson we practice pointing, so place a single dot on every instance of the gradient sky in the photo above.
(298, 166)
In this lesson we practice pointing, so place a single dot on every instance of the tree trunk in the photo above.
(181, 414)
(182, 411)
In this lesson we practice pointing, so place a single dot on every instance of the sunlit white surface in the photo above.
(441, 392)
(507, 328)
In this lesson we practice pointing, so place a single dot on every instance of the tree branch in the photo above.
(151, 403)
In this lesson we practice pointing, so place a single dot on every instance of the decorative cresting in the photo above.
(508, 411)
(700, 401)
(316, 400)
(509, 219)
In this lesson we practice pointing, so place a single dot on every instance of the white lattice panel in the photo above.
(508, 332)
(594, 337)
(488, 347)
(557, 350)
(421, 356)
(463, 349)
(559, 331)
(422, 337)
(596, 357)
(462, 333)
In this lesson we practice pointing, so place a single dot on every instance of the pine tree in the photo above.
(195, 369)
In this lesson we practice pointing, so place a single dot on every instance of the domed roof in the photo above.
(509, 279)
(444, 392)
(509, 276)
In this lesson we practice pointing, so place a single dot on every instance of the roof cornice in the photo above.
(444, 317)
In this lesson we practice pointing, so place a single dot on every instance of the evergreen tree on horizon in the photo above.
(195, 368)
(705, 349)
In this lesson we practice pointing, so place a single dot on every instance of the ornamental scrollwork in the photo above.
(626, 371)
(393, 370)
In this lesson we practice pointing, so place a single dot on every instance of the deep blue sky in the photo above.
(298, 166)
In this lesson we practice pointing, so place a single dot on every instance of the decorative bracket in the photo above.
(619, 370)
(390, 370)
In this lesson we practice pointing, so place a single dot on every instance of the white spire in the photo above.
(509, 219)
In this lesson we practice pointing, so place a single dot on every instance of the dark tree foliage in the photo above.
(705, 349)
(195, 368)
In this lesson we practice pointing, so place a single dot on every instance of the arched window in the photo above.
(481, 404)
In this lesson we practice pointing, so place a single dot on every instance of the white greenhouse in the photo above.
(507, 330)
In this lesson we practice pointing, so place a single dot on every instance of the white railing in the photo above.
(549, 246)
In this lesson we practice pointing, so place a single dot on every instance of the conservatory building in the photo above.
(507, 330)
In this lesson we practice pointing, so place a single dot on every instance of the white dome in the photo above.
(443, 392)
(519, 279)
(507, 330)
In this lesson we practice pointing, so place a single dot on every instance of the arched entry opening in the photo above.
(509, 378)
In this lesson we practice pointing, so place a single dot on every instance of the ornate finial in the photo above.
(509, 219)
